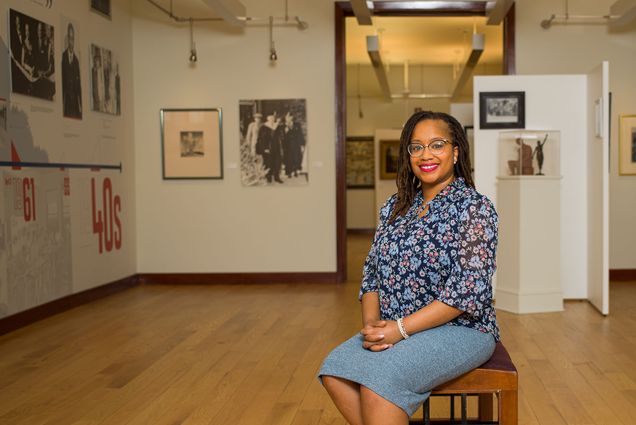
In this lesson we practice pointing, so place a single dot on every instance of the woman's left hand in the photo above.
(380, 335)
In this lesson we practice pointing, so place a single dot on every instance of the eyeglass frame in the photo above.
(424, 147)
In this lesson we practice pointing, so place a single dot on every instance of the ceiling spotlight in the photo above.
(193, 49)
(273, 56)
(547, 23)
(302, 25)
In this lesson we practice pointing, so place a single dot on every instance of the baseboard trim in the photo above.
(622, 274)
(35, 314)
(233, 278)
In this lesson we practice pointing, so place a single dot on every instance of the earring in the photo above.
(455, 161)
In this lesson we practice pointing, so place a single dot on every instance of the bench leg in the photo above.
(485, 407)
(508, 408)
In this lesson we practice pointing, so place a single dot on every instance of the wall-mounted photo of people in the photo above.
(192, 144)
(32, 56)
(71, 76)
(105, 81)
(273, 138)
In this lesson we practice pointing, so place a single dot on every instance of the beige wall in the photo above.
(212, 226)
(577, 49)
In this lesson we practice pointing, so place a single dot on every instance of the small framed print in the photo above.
(191, 142)
(627, 145)
(502, 110)
(360, 162)
(389, 153)
(102, 7)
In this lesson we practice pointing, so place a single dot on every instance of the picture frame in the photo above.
(360, 164)
(389, 153)
(469, 130)
(191, 143)
(627, 145)
(101, 7)
(502, 110)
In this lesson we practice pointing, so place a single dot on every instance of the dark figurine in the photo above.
(538, 151)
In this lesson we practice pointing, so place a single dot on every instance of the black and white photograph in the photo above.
(192, 143)
(32, 56)
(105, 81)
(71, 75)
(273, 142)
(501, 110)
(102, 7)
(3, 114)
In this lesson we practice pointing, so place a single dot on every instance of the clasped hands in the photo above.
(380, 334)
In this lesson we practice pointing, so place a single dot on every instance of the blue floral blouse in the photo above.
(448, 255)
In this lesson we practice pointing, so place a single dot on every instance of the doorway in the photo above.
(390, 9)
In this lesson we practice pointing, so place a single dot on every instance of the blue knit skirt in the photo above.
(406, 373)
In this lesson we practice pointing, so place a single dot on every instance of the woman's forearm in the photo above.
(435, 314)
(370, 307)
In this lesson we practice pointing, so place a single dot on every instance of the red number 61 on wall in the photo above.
(106, 223)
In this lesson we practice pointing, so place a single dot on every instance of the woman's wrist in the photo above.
(401, 329)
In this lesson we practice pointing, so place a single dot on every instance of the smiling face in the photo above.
(434, 170)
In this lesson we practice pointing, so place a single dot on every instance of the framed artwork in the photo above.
(273, 142)
(389, 153)
(105, 81)
(102, 7)
(191, 143)
(502, 110)
(627, 145)
(32, 56)
(360, 162)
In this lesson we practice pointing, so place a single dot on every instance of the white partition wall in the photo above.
(598, 187)
(552, 102)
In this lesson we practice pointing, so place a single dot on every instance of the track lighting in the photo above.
(193, 49)
(273, 56)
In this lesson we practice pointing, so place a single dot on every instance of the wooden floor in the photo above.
(248, 354)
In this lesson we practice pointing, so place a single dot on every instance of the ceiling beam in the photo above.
(626, 12)
(232, 11)
(373, 49)
(363, 10)
(466, 72)
(497, 10)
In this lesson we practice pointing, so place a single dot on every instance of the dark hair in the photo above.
(407, 183)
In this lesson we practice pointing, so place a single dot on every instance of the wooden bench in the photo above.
(498, 376)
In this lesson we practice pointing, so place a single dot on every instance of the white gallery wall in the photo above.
(210, 226)
(552, 103)
(63, 229)
(576, 49)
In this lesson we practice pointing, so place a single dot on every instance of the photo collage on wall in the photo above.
(34, 64)
(273, 142)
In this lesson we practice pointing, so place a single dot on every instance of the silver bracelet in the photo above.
(400, 323)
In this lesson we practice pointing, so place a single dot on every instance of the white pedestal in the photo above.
(528, 256)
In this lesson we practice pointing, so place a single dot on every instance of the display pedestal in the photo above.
(529, 252)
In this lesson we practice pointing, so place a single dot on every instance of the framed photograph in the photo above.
(470, 137)
(389, 153)
(360, 162)
(105, 81)
(32, 56)
(71, 75)
(101, 7)
(627, 145)
(502, 110)
(273, 142)
(191, 143)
